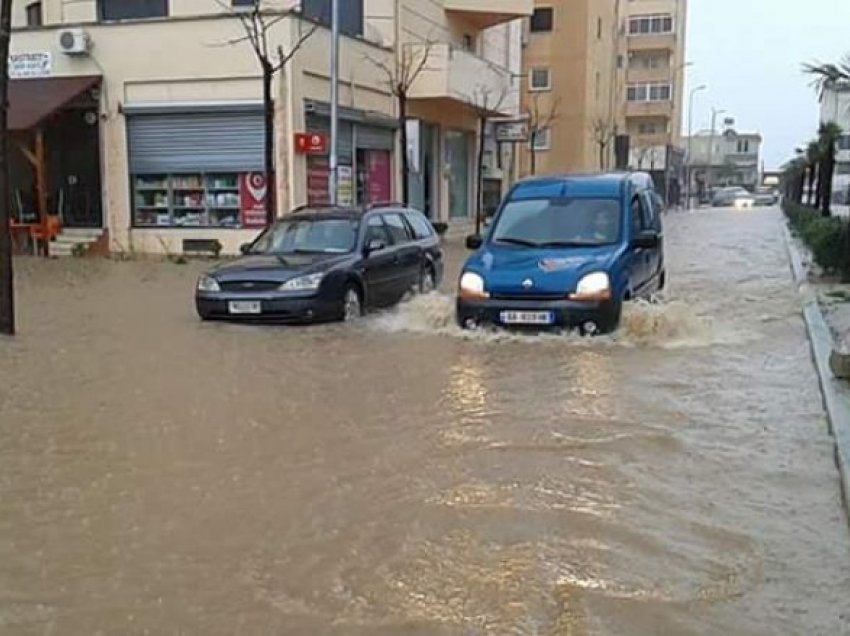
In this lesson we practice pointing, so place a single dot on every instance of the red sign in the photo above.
(311, 143)
(378, 176)
(253, 191)
(318, 181)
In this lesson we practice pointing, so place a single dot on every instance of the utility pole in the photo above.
(334, 159)
(689, 164)
(7, 291)
(714, 113)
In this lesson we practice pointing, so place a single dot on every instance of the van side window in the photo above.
(637, 216)
(650, 209)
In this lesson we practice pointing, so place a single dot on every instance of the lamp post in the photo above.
(334, 150)
(688, 164)
(714, 113)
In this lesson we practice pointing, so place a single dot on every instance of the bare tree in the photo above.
(539, 120)
(485, 103)
(7, 299)
(399, 76)
(257, 23)
(603, 133)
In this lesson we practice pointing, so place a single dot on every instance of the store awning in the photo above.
(31, 101)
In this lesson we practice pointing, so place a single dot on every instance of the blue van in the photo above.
(565, 252)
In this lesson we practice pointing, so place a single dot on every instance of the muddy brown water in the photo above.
(163, 476)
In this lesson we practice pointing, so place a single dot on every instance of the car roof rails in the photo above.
(386, 204)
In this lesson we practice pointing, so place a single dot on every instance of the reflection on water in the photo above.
(159, 475)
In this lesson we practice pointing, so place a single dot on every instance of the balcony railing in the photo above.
(487, 13)
(652, 42)
(649, 109)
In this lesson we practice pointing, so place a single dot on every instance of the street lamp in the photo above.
(714, 113)
(694, 91)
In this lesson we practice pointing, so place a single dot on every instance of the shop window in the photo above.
(34, 15)
(350, 14)
(198, 200)
(131, 9)
(542, 20)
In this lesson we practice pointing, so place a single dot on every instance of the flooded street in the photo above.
(163, 476)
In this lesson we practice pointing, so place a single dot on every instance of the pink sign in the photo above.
(253, 191)
(378, 177)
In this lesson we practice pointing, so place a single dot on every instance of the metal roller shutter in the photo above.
(195, 142)
(320, 124)
(374, 138)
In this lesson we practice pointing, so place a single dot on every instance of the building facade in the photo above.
(146, 116)
(572, 86)
(835, 107)
(724, 158)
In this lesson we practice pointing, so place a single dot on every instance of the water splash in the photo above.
(662, 323)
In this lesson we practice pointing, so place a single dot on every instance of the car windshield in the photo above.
(310, 236)
(558, 223)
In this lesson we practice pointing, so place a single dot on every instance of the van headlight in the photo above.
(208, 284)
(472, 286)
(595, 286)
(307, 283)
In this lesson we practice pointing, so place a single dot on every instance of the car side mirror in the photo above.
(374, 245)
(245, 248)
(474, 241)
(648, 239)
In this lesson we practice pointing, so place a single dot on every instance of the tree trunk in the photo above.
(405, 160)
(801, 188)
(7, 296)
(269, 146)
(826, 180)
(811, 176)
(533, 151)
(479, 178)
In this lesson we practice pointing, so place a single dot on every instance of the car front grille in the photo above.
(248, 286)
(529, 297)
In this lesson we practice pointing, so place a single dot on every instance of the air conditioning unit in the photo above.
(74, 42)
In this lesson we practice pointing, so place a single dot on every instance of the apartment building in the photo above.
(835, 107)
(655, 67)
(724, 158)
(572, 89)
(144, 118)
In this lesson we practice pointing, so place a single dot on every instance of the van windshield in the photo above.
(559, 223)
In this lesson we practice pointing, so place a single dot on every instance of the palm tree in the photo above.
(827, 75)
(812, 161)
(828, 135)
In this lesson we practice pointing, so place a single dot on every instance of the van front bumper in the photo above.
(566, 314)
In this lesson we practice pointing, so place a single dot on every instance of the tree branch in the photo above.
(284, 58)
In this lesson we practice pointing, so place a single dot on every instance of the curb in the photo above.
(836, 394)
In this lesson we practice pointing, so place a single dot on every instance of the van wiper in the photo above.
(517, 241)
(571, 244)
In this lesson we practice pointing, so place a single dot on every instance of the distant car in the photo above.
(323, 265)
(565, 252)
(766, 197)
(733, 197)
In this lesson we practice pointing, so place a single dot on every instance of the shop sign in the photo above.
(311, 143)
(29, 65)
(512, 131)
(414, 144)
(253, 191)
(378, 176)
(345, 186)
(318, 181)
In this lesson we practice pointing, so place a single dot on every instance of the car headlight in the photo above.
(472, 286)
(208, 284)
(595, 286)
(307, 283)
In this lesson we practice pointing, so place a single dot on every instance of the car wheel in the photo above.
(352, 304)
(427, 283)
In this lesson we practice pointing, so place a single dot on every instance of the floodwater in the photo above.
(163, 476)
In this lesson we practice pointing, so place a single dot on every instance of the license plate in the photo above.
(242, 307)
(527, 317)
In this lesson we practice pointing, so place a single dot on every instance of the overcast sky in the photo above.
(749, 53)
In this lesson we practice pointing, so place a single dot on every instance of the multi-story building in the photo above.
(835, 107)
(572, 92)
(724, 158)
(144, 118)
(655, 66)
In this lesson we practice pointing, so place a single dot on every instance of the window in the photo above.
(650, 128)
(649, 92)
(242, 3)
(187, 200)
(843, 142)
(397, 228)
(637, 216)
(651, 24)
(299, 235)
(540, 139)
(350, 14)
(744, 146)
(34, 15)
(468, 42)
(542, 20)
(541, 79)
(132, 9)
(377, 231)
(421, 227)
(547, 219)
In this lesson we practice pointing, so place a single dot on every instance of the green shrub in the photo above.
(826, 237)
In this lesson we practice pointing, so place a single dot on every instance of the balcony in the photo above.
(483, 14)
(649, 109)
(649, 75)
(457, 76)
(655, 42)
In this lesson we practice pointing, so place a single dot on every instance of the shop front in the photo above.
(459, 167)
(196, 167)
(424, 178)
